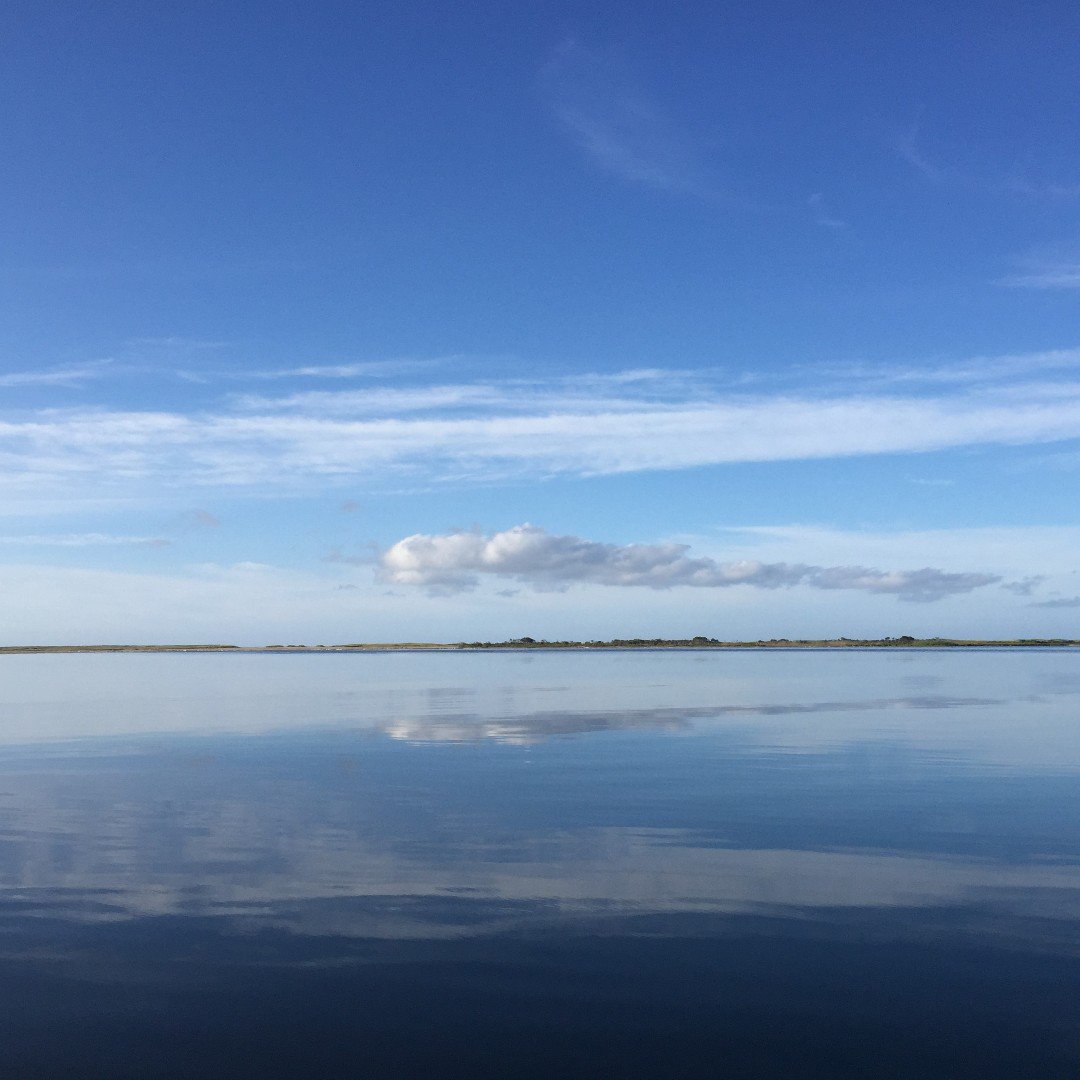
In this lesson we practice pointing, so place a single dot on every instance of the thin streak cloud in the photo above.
(1019, 181)
(508, 433)
(72, 375)
(616, 124)
(79, 540)
(1056, 277)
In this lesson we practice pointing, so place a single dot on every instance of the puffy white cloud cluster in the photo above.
(454, 562)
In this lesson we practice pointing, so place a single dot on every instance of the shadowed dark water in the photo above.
(586, 864)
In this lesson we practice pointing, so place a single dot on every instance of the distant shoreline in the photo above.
(529, 644)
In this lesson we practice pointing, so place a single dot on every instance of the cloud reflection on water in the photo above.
(841, 800)
(383, 841)
(535, 726)
(446, 855)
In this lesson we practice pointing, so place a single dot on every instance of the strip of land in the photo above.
(903, 642)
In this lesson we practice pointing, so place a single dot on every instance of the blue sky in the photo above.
(445, 321)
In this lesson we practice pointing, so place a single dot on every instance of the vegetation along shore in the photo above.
(904, 642)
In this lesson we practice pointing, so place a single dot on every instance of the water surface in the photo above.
(609, 864)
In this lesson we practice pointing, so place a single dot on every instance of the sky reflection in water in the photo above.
(668, 863)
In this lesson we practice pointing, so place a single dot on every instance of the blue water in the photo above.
(580, 864)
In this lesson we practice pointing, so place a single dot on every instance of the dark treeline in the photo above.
(702, 642)
(905, 641)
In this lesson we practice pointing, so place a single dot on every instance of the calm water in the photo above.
(584, 864)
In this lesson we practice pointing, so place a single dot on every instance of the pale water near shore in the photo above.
(555, 864)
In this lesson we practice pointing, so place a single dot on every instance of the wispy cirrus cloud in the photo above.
(617, 391)
(197, 519)
(454, 562)
(821, 213)
(70, 375)
(617, 124)
(581, 425)
(1001, 371)
(80, 540)
(358, 369)
(1062, 276)
(966, 167)
(175, 343)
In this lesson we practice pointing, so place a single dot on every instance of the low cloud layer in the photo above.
(1058, 602)
(455, 562)
(82, 540)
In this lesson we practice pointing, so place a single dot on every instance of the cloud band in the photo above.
(454, 562)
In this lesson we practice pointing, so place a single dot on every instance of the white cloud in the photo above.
(968, 169)
(122, 448)
(617, 125)
(1057, 277)
(195, 519)
(611, 392)
(999, 371)
(72, 375)
(247, 602)
(359, 369)
(585, 425)
(82, 540)
(1011, 553)
(453, 562)
(381, 401)
(821, 213)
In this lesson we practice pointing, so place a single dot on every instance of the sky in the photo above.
(353, 322)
